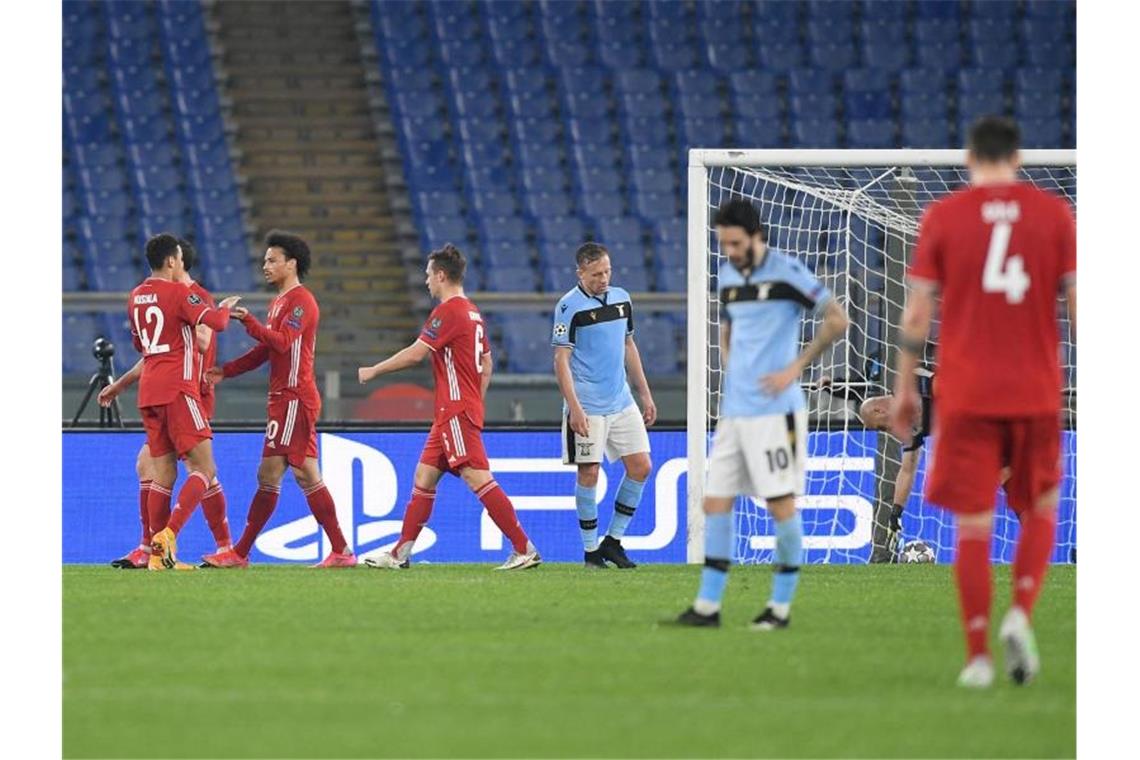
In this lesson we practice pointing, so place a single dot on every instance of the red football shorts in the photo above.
(291, 431)
(175, 427)
(969, 453)
(207, 404)
(453, 444)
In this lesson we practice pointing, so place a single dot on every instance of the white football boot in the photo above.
(978, 673)
(522, 561)
(1021, 659)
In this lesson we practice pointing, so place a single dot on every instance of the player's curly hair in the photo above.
(740, 213)
(294, 248)
(189, 253)
(159, 248)
(994, 138)
(450, 261)
(589, 252)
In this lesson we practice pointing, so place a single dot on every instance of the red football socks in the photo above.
(972, 573)
(144, 512)
(1038, 532)
(416, 515)
(502, 513)
(324, 509)
(157, 507)
(260, 510)
(189, 496)
(214, 508)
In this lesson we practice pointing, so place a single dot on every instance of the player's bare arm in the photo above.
(202, 336)
(579, 422)
(112, 391)
(916, 319)
(725, 337)
(835, 323)
(639, 381)
(402, 359)
(486, 367)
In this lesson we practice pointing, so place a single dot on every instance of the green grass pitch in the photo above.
(459, 660)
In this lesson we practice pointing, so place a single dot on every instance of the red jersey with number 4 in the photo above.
(999, 255)
(163, 315)
(457, 337)
(208, 359)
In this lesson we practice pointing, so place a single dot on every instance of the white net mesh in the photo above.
(856, 227)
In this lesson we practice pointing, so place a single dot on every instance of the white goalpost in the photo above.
(852, 217)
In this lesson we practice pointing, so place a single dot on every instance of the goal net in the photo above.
(852, 217)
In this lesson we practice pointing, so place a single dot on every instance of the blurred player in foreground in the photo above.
(214, 500)
(760, 447)
(593, 349)
(456, 339)
(998, 253)
(288, 342)
(164, 314)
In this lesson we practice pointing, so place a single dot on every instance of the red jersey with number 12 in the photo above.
(999, 255)
(163, 315)
(457, 337)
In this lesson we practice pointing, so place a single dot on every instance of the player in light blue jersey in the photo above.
(760, 447)
(593, 350)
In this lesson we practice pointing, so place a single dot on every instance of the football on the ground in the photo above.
(917, 551)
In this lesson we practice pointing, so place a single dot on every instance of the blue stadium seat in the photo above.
(697, 81)
(700, 105)
(655, 207)
(871, 133)
(933, 31)
(867, 80)
(996, 54)
(754, 82)
(656, 336)
(597, 179)
(676, 55)
(930, 133)
(980, 79)
(759, 133)
(923, 106)
(643, 105)
(555, 203)
(569, 52)
(633, 276)
(439, 202)
(973, 105)
(990, 10)
(495, 203)
(755, 107)
(499, 254)
(597, 204)
(886, 56)
(781, 55)
(703, 132)
(559, 279)
(729, 56)
(1042, 133)
(946, 56)
(1038, 104)
(619, 55)
(834, 56)
(497, 228)
(621, 229)
(869, 105)
(567, 231)
(524, 104)
(672, 279)
(640, 80)
(518, 52)
(983, 30)
(941, 10)
(508, 28)
(509, 279)
(648, 131)
(536, 128)
(592, 132)
(1050, 54)
(820, 133)
(922, 80)
(1034, 79)
(533, 154)
(440, 230)
(584, 79)
(538, 179)
(603, 156)
(813, 107)
(1035, 30)
(114, 276)
(810, 82)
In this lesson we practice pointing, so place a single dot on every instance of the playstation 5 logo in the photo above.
(303, 539)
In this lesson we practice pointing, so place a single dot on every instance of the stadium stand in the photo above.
(144, 151)
(585, 110)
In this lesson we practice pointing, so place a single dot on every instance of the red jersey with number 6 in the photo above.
(999, 255)
(457, 337)
(163, 315)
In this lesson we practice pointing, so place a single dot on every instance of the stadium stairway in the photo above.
(311, 156)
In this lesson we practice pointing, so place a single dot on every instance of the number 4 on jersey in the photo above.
(1003, 274)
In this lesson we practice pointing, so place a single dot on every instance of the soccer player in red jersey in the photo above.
(288, 342)
(214, 500)
(164, 313)
(456, 339)
(998, 253)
